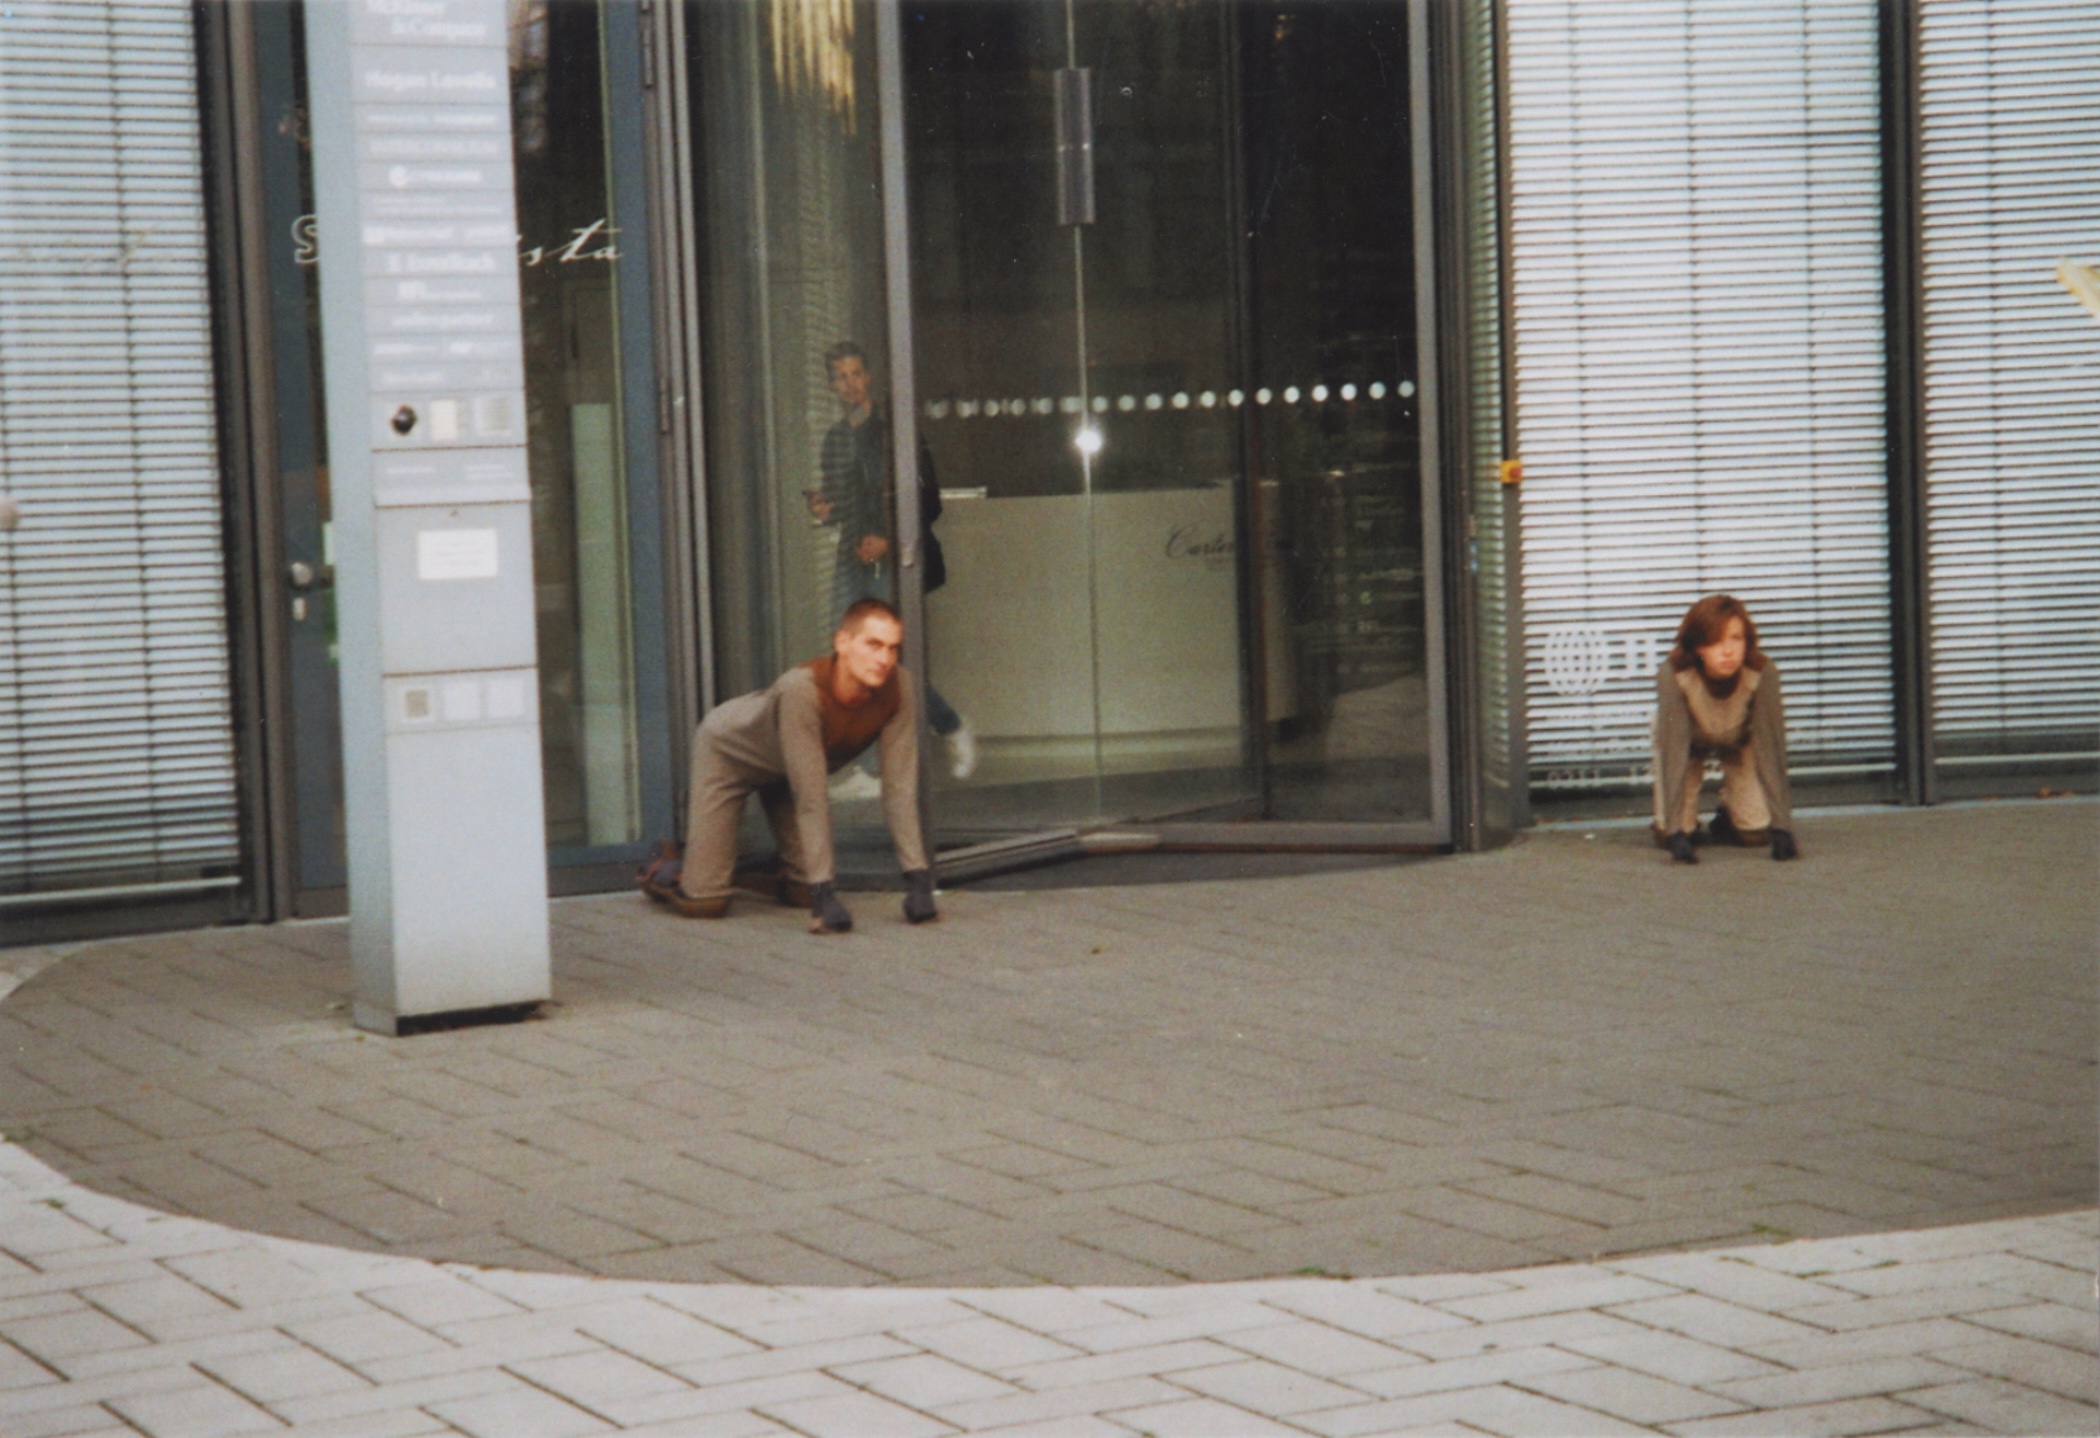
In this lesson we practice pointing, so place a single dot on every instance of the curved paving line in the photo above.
(114, 1312)
(1568, 1050)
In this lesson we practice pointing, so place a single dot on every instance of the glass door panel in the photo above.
(1164, 359)
(995, 320)
(320, 865)
(794, 348)
(570, 251)
(1074, 380)
(1345, 577)
(594, 644)
(1162, 319)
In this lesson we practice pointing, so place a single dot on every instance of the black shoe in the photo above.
(1680, 847)
(918, 897)
(1783, 845)
(1723, 830)
(826, 914)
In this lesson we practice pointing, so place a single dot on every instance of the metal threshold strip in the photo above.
(1004, 856)
(120, 891)
(1948, 761)
(1303, 836)
(1053, 846)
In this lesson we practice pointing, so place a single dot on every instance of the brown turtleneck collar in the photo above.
(1720, 688)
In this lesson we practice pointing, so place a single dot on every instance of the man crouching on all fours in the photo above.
(1718, 698)
(782, 743)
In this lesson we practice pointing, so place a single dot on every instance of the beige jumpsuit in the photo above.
(782, 743)
(1745, 730)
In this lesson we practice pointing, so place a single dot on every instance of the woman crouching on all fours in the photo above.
(1718, 698)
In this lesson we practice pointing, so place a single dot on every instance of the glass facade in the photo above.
(569, 254)
(800, 491)
(1201, 397)
(1162, 300)
(119, 760)
(1701, 373)
(1338, 450)
(569, 248)
(1074, 380)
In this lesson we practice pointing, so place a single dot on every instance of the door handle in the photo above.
(1075, 146)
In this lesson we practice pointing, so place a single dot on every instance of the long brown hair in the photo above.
(1705, 622)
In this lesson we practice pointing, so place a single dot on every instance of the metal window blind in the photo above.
(2010, 110)
(1697, 256)
(116, 743)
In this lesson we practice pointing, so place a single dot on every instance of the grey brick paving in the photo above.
(920, 1163)
(344, 1342)
(1538, 1055)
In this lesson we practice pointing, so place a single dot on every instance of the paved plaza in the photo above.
(1557, 1139)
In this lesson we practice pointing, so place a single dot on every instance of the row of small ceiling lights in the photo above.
(1208, 399)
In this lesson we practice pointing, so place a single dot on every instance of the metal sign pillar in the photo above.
(432, 516)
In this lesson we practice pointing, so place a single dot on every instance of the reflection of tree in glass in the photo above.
(812, 44)
(528, 75)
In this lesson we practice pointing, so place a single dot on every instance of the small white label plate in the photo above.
(443, 554)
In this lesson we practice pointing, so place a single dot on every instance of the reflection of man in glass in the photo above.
(854, 495)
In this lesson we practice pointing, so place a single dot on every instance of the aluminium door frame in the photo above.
(288, 429)
(903, 398)
(689, 579)
(629, 57)
(1250, 529)
(1425, 139)
(1903, 307)
(680, 414)
(230, 105)
(1455, 176)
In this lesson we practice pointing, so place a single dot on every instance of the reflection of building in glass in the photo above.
(567, 253)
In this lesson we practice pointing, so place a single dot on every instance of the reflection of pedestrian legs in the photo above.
(951, 726)
(941, 714)
(856, 783)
